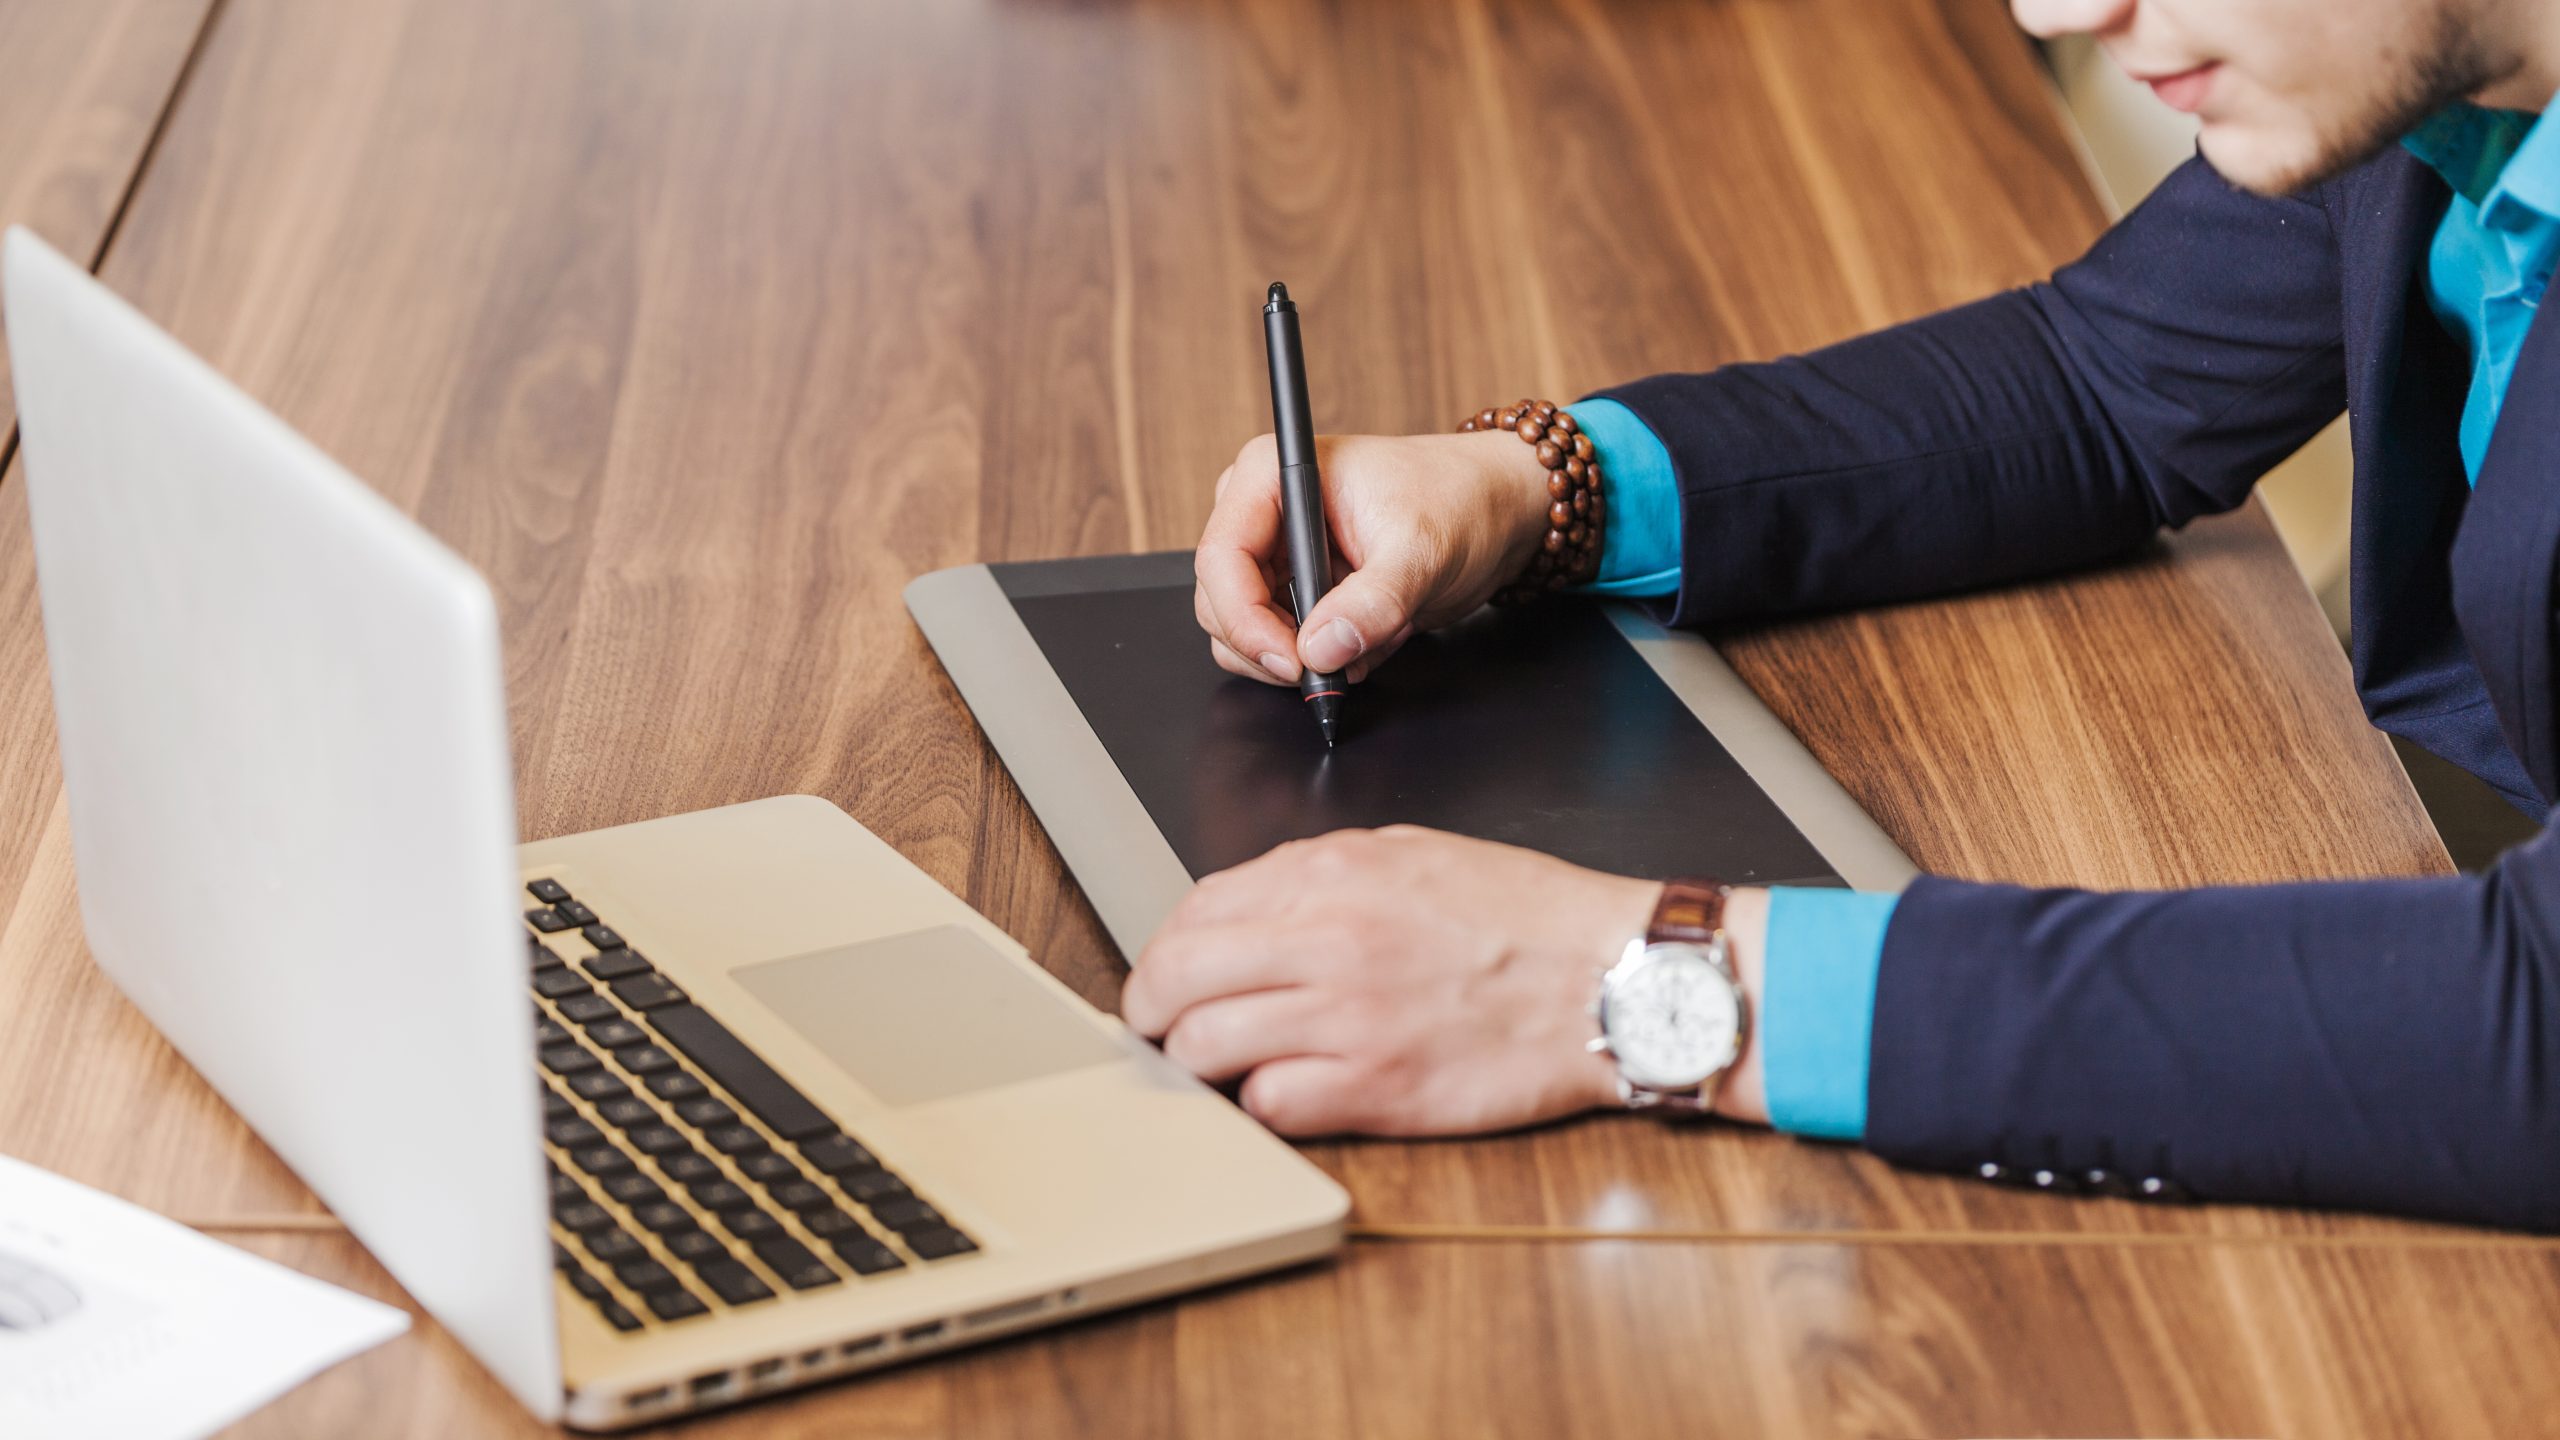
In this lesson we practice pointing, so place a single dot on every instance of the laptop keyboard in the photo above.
(687, 1174)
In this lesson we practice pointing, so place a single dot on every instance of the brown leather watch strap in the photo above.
(1689, 910)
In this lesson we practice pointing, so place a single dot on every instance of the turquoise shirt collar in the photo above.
(2494, 252)
(2507, 164)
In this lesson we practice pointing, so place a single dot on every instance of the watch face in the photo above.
(1673, 1020)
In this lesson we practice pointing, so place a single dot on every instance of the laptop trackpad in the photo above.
(927, 1015)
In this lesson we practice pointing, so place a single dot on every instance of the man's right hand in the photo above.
(1427, 527)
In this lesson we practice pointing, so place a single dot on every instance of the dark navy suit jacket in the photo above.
(2385, 1044)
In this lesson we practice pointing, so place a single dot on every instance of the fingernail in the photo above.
(1280, 665)
(1334, 646)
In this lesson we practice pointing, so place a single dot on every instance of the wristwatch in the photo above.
(1671, 1012)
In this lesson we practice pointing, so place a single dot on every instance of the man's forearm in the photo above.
(2149, 382)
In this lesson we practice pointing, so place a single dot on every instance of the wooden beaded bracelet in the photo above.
(1570, 552)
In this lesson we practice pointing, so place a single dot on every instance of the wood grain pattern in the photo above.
(82, 87)
(702, 329)
(1682, 1342)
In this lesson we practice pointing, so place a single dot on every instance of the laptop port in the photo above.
(867, 1345)
(1001, 1314)
(920, 1334)
(813, 1358)
(649, 1399)
(764, 1370)
(706, 1387)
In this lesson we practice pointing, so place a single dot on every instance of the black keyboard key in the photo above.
(644, 1060)
(750, 1224)
(569, 1059)
(575, 912)
(571, 1133)
(546, 920)
(875, 1187)
(618, 1316)
(634, 1189)
(555, 1106)
(658, 1140)
(696, 1246)
(734, 1140)
(626, 1111)
(538, 955)
(547, 1031)
(663, 1218)
(675, 1085)
(602, 937)
(741, 1072)
(705, 1113)
(601, 1160)
(771, 1168)
(560, 984)
(615, 1033)
(903, 1215)
(598, 1085)
(647, 992)
(830, 1223)
(734, 1283)
(866, 1256)
(618, 964)
(799, 1195)
(589, 1008)
(938, 1243)
(581, 1216)
(837, 1155)
(720, 1195)
(612, 1246)
(644, 1275)
(548, 891)
(688, 1166)
(564, 1187)
(675, 1304)
(587, 1285)
(561, 1257)
(799, 1269)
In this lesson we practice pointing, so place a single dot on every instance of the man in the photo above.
(2370, 226)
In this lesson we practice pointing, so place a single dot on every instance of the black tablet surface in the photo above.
(1538, 726)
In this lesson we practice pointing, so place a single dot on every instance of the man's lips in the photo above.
(2186, 89)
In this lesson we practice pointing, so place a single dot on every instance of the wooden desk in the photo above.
(702, 329)
(83, 87)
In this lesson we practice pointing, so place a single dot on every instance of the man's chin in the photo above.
(2278, 162)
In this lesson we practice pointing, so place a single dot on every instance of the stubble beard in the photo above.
(2444, 62)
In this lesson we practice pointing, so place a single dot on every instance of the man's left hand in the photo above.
(1395, 982)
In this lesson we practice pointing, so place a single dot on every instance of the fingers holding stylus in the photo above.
(1234, 598)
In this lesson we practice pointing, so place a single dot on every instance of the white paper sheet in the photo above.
(116, 1324)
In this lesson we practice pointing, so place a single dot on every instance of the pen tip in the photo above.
(1278, 291)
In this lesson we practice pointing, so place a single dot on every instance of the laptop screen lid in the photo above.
(284, 744)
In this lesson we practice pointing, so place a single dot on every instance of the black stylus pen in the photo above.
(1301, 494)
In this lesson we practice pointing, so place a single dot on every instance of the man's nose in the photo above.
(2050, 19)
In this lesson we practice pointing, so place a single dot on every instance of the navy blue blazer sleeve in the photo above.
(2386, 1045)
(2152, 381)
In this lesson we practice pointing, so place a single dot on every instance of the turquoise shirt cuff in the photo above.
(1640, 547)
(1818, 1007)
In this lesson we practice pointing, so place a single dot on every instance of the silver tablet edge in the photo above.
(1769, 753)
(1115, 852)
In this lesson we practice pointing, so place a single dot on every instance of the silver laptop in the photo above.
(800, 1111)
